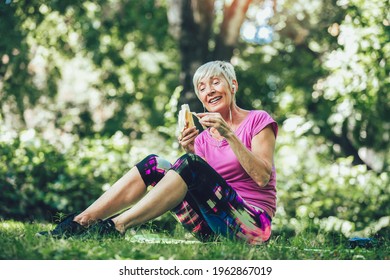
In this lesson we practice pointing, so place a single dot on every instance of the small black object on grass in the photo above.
(361, 242)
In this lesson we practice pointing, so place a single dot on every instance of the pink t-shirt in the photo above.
(221, 157)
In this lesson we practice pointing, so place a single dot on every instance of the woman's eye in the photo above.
(216, 82)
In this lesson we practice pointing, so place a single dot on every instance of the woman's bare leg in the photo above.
(167, 194)
(125, 192)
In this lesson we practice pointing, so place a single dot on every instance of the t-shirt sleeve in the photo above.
(261, 120)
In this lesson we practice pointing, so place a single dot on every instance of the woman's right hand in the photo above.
(187, 139)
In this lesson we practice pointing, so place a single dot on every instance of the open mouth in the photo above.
(215, 99)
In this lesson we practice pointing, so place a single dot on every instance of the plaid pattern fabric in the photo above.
(211, 207)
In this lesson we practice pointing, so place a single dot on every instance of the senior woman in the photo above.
(225, 184)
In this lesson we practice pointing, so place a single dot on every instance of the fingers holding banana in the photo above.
(188, 134)
(214, 120)
(187, 137)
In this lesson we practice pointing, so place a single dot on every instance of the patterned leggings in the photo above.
(211, 207)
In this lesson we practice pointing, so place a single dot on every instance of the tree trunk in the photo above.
(233, 17)
(191, 23)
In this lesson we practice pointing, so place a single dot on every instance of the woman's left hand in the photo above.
(215, 120)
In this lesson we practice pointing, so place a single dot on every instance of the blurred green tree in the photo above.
(128, 57)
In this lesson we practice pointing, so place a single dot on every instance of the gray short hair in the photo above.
(215, 68)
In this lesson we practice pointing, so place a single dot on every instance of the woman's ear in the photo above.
(234, 86)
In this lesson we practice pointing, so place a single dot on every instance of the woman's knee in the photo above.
(154, 161)
(148, 158)
(189, 167)
(188, 160)
(152, 168)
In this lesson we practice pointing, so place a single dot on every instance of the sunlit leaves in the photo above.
(357, 85)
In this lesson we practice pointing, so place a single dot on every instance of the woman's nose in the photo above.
(210, 89)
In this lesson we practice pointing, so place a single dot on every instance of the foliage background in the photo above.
(88, 88)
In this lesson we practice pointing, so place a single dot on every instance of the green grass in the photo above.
(18, 242)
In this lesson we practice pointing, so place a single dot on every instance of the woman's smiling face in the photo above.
(214, 93)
